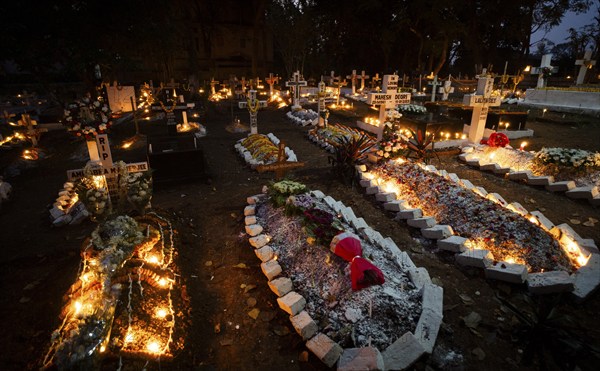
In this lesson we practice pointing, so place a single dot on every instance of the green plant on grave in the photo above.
(348, 152)
(418, 145)
(551, 340)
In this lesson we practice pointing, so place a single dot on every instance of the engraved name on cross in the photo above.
(388, 98)
(480, 101)
(253, 104)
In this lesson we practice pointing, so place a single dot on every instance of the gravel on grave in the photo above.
(505, 233)
(375, 316)
(523, 160)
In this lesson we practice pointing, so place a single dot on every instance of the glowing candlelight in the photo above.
(523, 144)
(153, 346)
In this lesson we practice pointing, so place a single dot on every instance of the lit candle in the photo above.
(523, 144)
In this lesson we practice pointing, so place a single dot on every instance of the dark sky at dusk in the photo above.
(571, 20)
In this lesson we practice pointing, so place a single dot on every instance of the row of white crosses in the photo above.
(354, 77)
(480, 101)
(388, 98)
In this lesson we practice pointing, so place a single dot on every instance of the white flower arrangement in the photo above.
(139, 189)
(412, 108)
(570, 157)
(289, 187)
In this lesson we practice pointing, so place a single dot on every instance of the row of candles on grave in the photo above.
(574, 252)
(84, 306)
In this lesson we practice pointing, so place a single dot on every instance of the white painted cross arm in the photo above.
(295, 83)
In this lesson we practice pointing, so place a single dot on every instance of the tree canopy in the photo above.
(66, 38)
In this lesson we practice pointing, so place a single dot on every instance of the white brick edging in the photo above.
(252, 162)
(581, 284)
(401, 354)
(568, 188)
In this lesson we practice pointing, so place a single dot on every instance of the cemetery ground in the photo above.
(222, 276)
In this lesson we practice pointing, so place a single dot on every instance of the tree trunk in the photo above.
(443, 56)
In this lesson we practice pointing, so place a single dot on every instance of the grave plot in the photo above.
(260, 149)
(303, 117)
(345, 294)
(575, 172)
(329, 135)
(502, 238)
(125, 302)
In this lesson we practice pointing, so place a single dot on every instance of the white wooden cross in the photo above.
(105, 166)
(434, 83)
(32, 133)
(271, 80)
(333, 78)
(545, 64)
(362, 77)
(338, 86)
(253, 104)
(322, 109)
(480, 101)
(353, 78)
(585, 63)
(258, 81)
(296, 83)
(213, 83)
(388, 98)
(374, 80)
(446, 89)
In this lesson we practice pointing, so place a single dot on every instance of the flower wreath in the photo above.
(87, 118)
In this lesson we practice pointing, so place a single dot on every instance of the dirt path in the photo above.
(39, 263)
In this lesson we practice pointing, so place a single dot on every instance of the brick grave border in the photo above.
(581, 283)
(568, 187)
(401, 354)
(247, 156)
